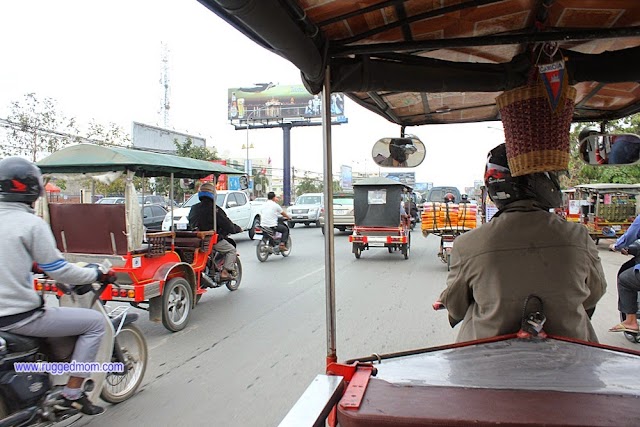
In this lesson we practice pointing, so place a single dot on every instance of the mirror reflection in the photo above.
(609, 149)
(406, 152)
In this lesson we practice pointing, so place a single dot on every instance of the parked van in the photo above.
(436, 194)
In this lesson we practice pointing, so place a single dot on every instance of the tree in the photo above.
(109, 135)
(308, 185)
(185, 149)
(37, 128)
(260, 178)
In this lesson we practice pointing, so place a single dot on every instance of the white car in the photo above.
(235, 204)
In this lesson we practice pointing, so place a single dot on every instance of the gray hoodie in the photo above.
(27, 238)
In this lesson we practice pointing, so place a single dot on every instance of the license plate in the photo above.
(340, 212)
(376, 244)
(447, 244)
(298, 216)
(616, 227)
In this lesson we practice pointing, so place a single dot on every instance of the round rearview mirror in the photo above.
(406, 152)
(610, 149)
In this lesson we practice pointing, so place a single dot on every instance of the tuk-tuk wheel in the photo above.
(357, 251)
(405, 251)
(176, 304)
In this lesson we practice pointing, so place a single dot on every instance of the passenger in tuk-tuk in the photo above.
(201, 218)
(523, 250)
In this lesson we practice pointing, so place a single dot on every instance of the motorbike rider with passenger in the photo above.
(29, 243)
(523, 250)
(271, 212)
(201, 218)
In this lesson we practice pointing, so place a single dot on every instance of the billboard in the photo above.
(272, 101)
(160, 139)
(346, 179)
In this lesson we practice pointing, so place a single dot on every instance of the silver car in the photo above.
(343, 216)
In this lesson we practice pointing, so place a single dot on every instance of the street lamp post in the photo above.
(247, 165)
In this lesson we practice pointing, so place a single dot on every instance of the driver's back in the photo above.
(524, 251)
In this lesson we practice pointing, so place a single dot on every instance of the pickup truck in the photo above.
(236, 205)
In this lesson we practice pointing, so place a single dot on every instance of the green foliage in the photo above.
(581, 173)
(183, 149)
(314, 185)
(107, 135)
(308, 185)
(260, 178)
(36, 128)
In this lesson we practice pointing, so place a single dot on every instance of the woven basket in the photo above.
(536, 137)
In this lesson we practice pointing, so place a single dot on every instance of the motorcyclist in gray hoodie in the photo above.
(27, 239)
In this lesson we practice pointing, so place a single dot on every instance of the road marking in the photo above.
(306, 275)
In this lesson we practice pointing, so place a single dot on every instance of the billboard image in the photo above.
(273, 101)
(346, 178)
(407, 178)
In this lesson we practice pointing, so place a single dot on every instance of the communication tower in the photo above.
(164, 82)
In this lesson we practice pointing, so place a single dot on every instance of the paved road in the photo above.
(247, 355)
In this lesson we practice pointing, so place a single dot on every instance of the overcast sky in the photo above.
(102, 60)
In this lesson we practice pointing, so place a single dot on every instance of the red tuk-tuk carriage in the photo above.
(377, 217)
(417, 63)
(161, 272)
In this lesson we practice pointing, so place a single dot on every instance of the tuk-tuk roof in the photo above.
(423, 62)
(378, 181)
(609, 188)
(90, 158)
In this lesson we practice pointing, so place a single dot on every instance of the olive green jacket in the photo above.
(524, 250)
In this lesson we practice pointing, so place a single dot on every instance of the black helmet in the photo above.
(400, 148)
(20, 180)
(589, 130)
(543, 187)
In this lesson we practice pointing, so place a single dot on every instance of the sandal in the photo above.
(621, 327)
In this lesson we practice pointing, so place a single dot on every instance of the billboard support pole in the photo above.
(286, 157)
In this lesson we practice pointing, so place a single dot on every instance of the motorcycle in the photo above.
(29, 398)
(212, 273)
(270, 243)
(446, 245)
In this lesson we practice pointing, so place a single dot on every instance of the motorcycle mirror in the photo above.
(610, 149)
(406, 152)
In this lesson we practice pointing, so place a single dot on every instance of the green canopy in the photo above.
(89, 158)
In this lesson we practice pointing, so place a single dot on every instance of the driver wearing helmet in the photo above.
(399, 151)
(201, 218)
(449, 198)
(29, 243)
(523, 250)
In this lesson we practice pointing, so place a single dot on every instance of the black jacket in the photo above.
(201, 218)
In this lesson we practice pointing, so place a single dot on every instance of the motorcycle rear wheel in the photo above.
(234, 284)
(262, 251)
(288, 251)
(119, 387)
